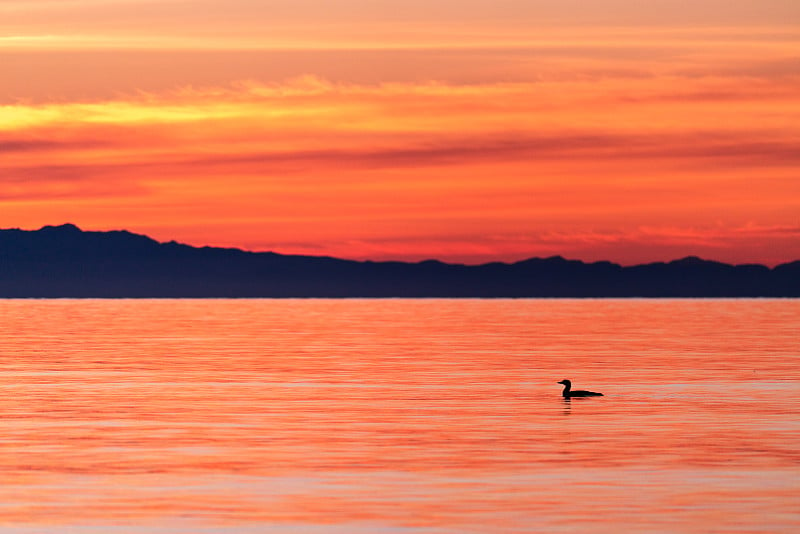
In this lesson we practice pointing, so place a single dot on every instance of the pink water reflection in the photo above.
(400, 415)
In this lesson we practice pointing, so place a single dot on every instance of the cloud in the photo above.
(310, 131)
(26, 145)
(21, 145)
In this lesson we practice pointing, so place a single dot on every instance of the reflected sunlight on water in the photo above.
(436, 416)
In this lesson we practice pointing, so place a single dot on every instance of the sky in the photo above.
(463, 130)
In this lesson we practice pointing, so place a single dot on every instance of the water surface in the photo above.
(439, 416)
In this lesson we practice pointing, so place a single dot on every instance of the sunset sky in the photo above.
(464, 130)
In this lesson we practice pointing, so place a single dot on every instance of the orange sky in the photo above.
(467, 131)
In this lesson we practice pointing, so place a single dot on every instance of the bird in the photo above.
(568, 393)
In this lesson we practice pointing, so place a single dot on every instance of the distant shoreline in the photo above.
(67, 262)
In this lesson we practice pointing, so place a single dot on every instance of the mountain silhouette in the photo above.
(65, 261)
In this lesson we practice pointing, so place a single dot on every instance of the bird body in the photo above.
(568, 392)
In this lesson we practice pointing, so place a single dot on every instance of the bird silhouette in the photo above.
(568, 392)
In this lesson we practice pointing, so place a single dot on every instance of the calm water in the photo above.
(399, 416)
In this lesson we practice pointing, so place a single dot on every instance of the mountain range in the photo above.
(65, 261)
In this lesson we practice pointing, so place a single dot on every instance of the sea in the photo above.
(399, 416)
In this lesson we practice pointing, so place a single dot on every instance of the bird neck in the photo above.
(566, 390)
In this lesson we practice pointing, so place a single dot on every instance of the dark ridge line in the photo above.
(65, 261)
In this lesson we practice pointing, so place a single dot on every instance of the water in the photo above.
(399, 416)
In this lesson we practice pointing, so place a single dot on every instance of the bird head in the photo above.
(565, 382)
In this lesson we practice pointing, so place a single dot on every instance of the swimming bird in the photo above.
(568, 393)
